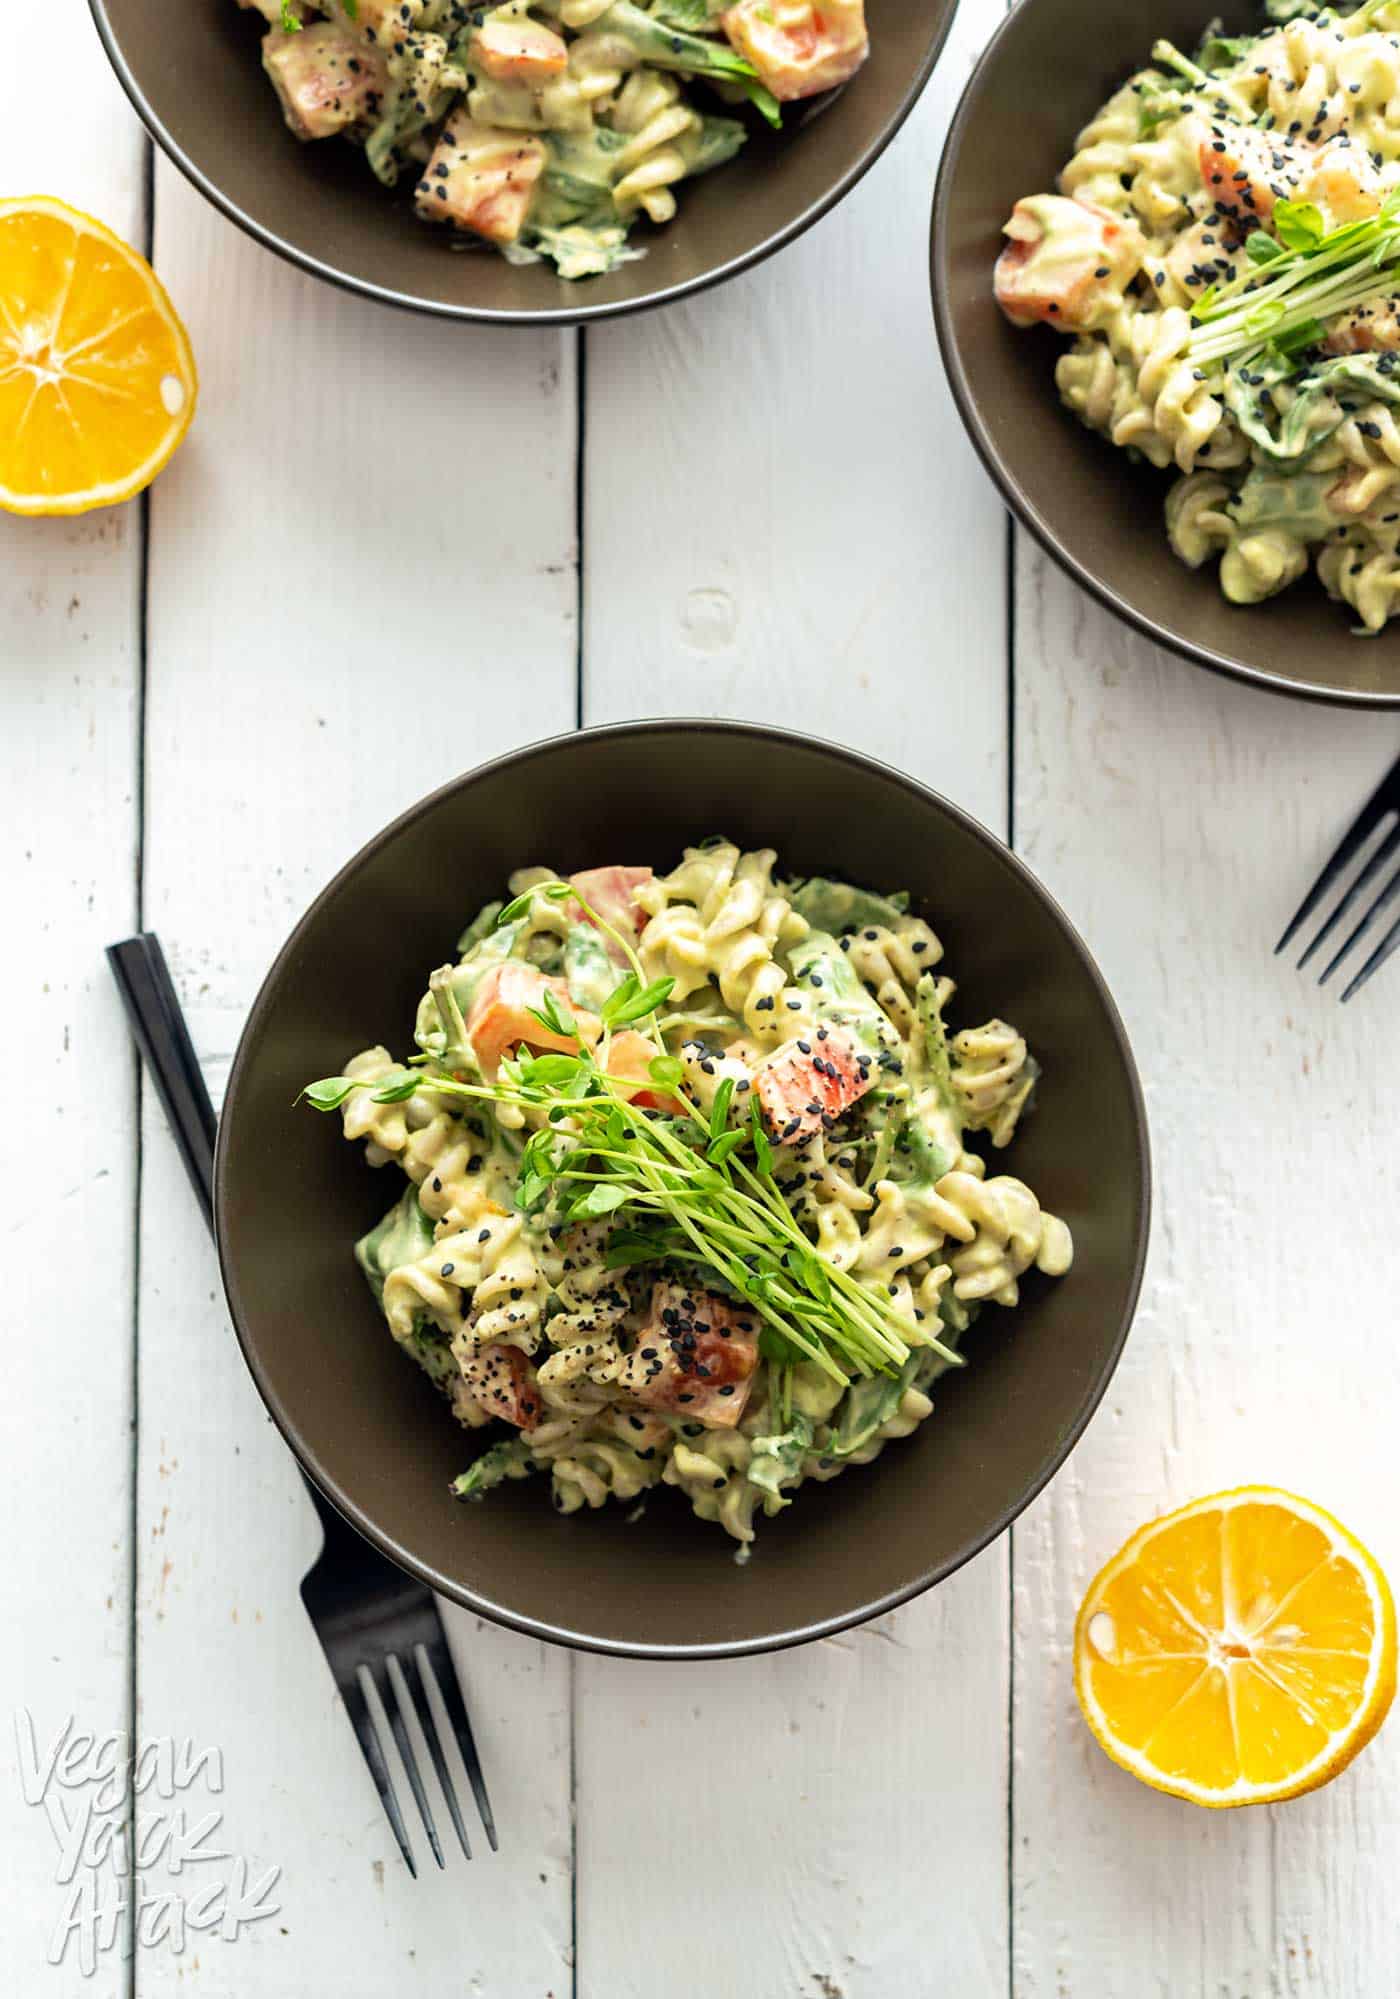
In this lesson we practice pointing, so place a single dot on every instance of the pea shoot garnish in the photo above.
(1297, 278)
(684, 1184)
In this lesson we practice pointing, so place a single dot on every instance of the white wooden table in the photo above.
(207, 703)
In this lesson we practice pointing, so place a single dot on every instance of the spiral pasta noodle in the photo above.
(547, 128)
(1361, 568)
(803, 1023)
(1158, 257)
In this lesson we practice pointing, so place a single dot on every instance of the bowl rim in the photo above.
(562, 315)
(824, 1627)
(1191, 650)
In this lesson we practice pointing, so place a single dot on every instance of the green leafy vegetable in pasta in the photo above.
(672, 48)
(687, 1175)
(1223, 253)
(680, 1188)
(548, 129)
(511, 1459)
(1315, 276)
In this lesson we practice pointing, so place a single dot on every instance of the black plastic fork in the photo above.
(372, 1619)
(1383, 805)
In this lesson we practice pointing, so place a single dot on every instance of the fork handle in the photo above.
(163, 1037)
(158, 1025)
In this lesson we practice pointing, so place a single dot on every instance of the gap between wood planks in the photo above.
(1011, 533)
(143, 626)
(580, 507)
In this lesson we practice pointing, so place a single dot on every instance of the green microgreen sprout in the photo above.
(1288, 292)
(1171, 57)
(764, 102)
(687, 1186)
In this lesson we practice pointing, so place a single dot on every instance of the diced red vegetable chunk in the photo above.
(611, 893)
(1206, 254)
(521, 51)
(500, 1017)
(1371, 329)
(1246, 172)
(481, 178)
(1342, 180)
(695, 1356)
(504, 1383)
(809, 1083)
(638, 1431)
(1063, 261)
(800, 47)
(325, 77)
(630, 1056)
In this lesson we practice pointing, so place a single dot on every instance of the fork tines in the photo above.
(1383, 805)
(438, 1677)
(439, 1715)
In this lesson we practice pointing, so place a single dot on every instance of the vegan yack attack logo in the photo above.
(142, 1857)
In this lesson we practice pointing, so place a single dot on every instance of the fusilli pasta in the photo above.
(797, 1029)
(1171, 255)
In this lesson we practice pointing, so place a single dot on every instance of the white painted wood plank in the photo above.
(825, 1823)
(1180, 819)
(784, 519)
(302, 574)
(834, 1819)
(69, 677)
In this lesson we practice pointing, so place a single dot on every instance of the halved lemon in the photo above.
(97, 380)
(1237, 1652)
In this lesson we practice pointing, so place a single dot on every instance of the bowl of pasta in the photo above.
(705, 1270)
(597, 155)
(1165, 268)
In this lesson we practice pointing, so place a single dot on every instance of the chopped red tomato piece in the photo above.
(630, 1056)
(1371, 329)
(695, 1356)
(611, 893)
(638, 1432)
(1246, 172)
(481, 178)
(1353, 492)
(1064, 261)
(520, 51)
(1206, 254)
(800, 47)
(504, 1383)
(325, 77)
(1342, 180)
(500, 1017)
(807, 1084)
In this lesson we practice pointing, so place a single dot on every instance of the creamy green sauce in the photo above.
(824, 966)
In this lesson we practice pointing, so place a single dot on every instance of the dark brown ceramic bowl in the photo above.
(1044, 74)
(192, 70)
(292, 1197)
